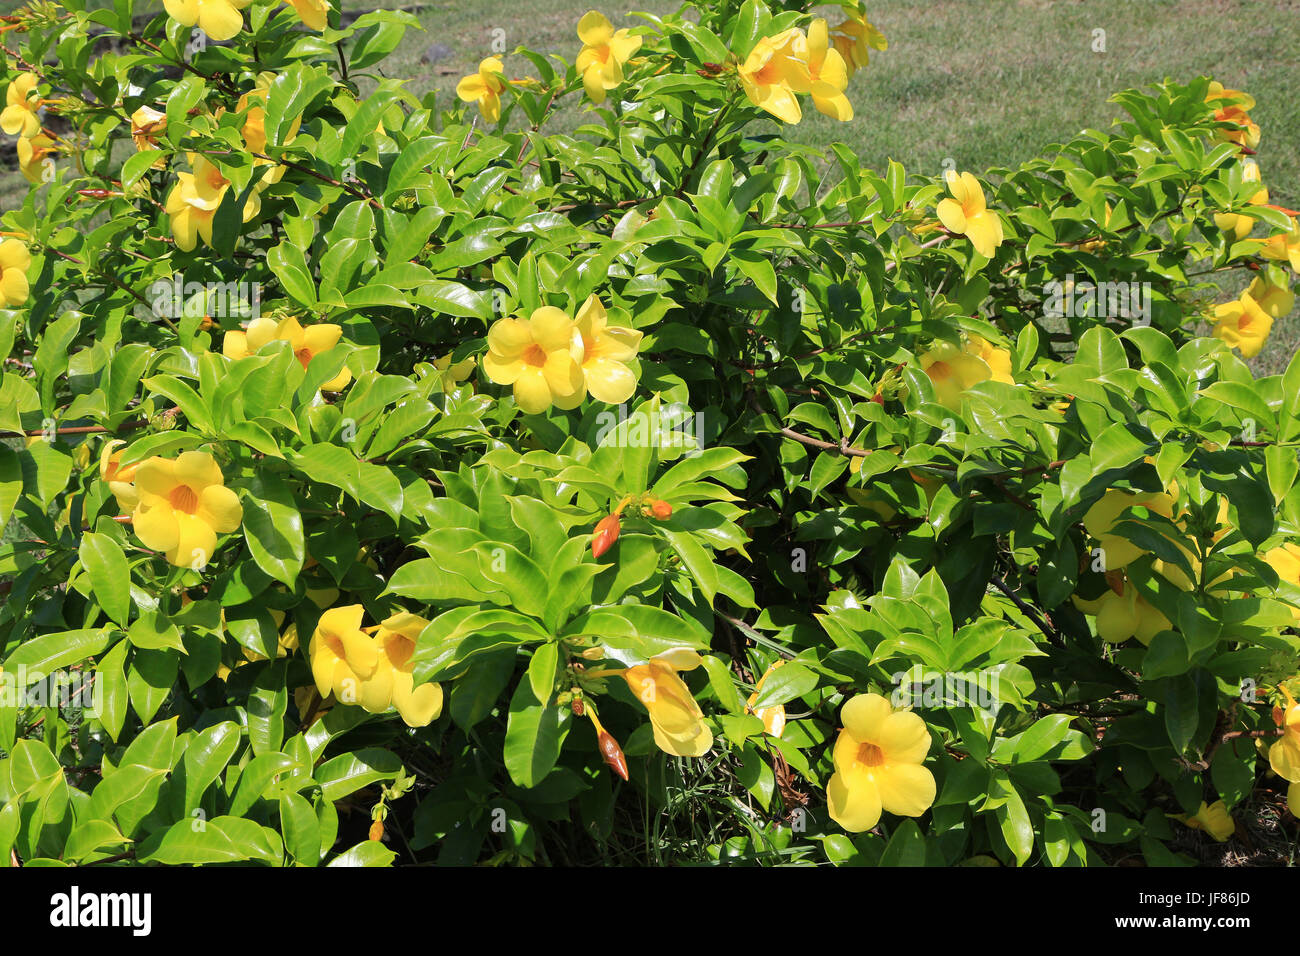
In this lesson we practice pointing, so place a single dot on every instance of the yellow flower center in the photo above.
(184, 498)
(869, 755)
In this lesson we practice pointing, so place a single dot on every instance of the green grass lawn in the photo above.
(981, 82)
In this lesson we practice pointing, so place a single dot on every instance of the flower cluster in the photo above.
(372, 667)
(793, 62)
(552, 359)
(952, 370)
(307, 342)
(222, 20)
(1121, 612)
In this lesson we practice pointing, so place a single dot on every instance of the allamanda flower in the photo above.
(966, 214)
(1123, 613)
(1234, 106)
(878, 760)
(773, 717)
(1243, 325)
(32, 153)
(22, 100)
(314, 13)
(952, 370)
(855, 38)
(392, 683)
(541, 357)
(1213, 818)
(146, 125)
(1276, 300)
(454, 375)
(604, 51)
(307, 342)
(254, 128)
(1284, 756)
(675, 717)
(15, 260)
(1285, 560)
(219, 19)
(998, 360)
(193, 202)
(484, 88)
(118, 479)
(606, 350)
(1117, 550)
(342, 655)
(775, 70)
(183, 505)
(829, 74)
(1284, 246)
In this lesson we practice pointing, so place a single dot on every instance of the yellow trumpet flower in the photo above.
(675, 717)
(878, 759)
(15, 260)
(541, 357)
(484, 88)
(606, 350)
(183, 505)
(219, 19)
(603, 54)
(967, 215)
(22, 100)
(1243, 325)
(775, 70)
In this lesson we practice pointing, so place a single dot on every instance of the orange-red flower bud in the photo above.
(606, 533)
(661, 509)
(377, 830)
(613, 753)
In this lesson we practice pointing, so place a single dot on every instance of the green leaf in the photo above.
(110, 576)
(302, 836)
(206, 757)
(290, 267)
(272, 527)
(534, 735)
(349, 772)
(366, 853)
(49, 652)
(541, 670)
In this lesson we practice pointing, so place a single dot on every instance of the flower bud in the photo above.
(605, 535)
(613, 753)
(578, 707)
(377, 830)
(660, 509)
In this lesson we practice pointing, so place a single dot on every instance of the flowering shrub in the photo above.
(389, 464)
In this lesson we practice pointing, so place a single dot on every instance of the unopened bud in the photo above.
(377, 830)
(593, 654)
(578, 707)
(606, 533)
(660, 509)
(613, 753)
